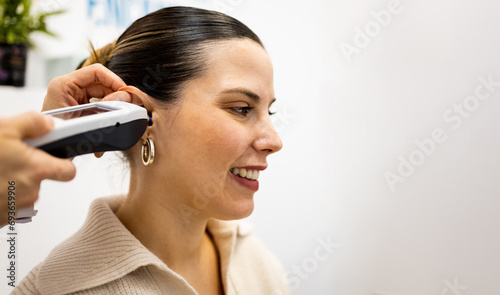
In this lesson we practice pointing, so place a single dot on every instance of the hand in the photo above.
(24, 165)
(80, 86)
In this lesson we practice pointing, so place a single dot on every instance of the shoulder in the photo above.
(83, 260)
(28, 284)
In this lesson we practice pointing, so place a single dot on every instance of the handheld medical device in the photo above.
(93, 127)
(89, 128)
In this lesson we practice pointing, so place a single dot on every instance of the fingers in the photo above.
(19, 158)
(25, 165)
(138, 97)
(118, 96)
(39, 166)
(24, 197)
(30, 124)
(27, 193)
(45, 166)
(79, 86)
(96, 73)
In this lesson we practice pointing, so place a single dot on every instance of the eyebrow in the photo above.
(253, 96)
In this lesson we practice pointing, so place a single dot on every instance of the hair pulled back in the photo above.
(163, 50)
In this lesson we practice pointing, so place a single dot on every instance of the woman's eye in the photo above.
(242, 110)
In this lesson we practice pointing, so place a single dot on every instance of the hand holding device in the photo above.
(79, 86)
(92, 128)
(22, 168)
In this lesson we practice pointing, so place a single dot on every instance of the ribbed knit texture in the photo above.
(103, 257)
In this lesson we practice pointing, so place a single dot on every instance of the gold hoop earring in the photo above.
(148, 151)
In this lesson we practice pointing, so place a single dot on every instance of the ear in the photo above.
(141, 99)
(138, 97)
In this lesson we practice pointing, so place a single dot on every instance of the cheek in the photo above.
(229, 136)
(223, 141)
(212, 141)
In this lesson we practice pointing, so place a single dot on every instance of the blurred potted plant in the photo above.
(16, 25)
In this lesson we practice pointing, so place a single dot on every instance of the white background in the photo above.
(345, 125)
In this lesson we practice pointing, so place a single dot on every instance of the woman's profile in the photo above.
(207, 84)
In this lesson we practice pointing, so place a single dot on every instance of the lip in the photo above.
(254, 167)
(252, 185)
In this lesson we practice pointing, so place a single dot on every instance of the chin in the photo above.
(236, 212)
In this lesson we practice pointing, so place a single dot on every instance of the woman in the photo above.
(207, 83)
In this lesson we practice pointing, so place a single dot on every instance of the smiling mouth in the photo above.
(249, 174)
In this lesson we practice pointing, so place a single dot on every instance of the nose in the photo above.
(267, 139)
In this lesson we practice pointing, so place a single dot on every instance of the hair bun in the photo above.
(101, 55)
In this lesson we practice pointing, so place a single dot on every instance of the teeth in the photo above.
(246, 173)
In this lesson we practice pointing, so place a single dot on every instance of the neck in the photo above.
(166, 225)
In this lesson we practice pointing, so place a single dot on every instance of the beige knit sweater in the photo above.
(103, 257)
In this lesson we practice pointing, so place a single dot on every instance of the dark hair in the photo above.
(163, 50)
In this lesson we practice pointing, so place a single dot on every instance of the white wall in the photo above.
(346, 124)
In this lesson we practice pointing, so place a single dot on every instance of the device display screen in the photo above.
(80, 113)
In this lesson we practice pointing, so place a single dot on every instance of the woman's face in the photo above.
(221, 128)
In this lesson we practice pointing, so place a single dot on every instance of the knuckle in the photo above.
(97, 66)
(54, 82)
(67, 85)
(71, 89)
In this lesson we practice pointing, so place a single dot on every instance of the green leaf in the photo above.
(17, 23)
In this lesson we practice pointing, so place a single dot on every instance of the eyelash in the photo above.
(245, 110)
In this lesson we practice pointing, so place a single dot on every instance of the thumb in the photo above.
(55, 168)
(31, 124)
(138, 97)
(118, 96)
